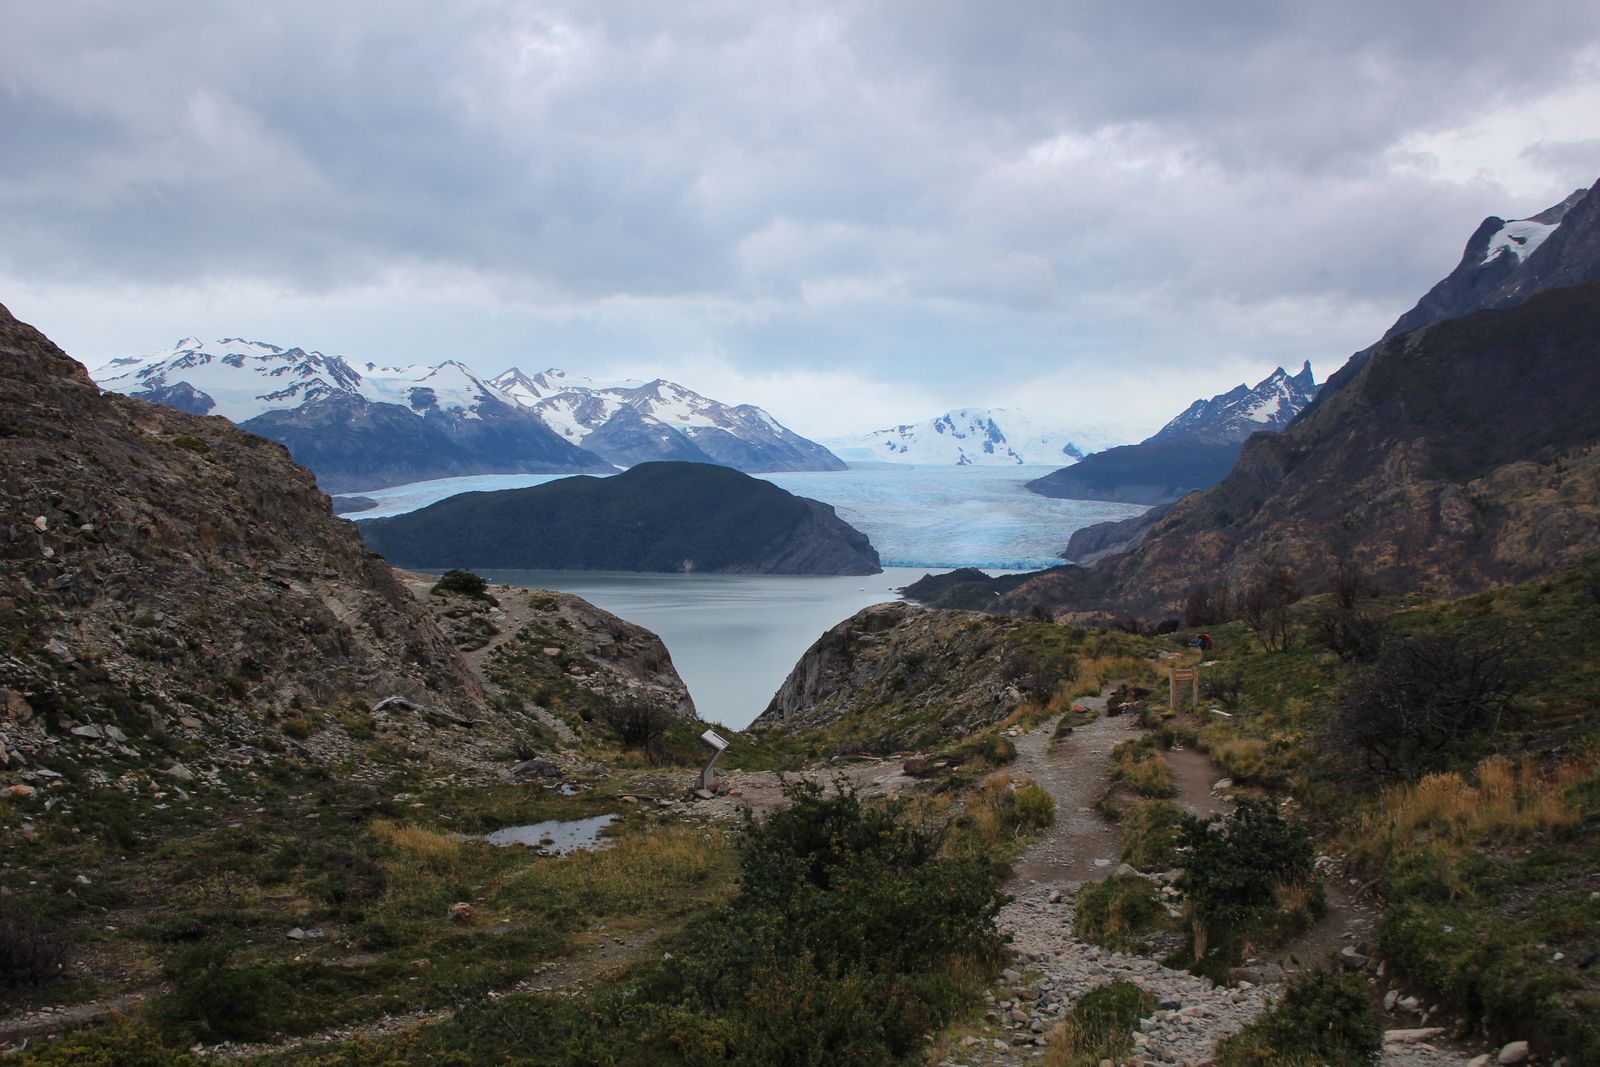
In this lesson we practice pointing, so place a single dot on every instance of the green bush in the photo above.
(464, 582)
(1100, 1026)
(847, 942)
(1150, 835)
(1236, 866)
(1323, 1020)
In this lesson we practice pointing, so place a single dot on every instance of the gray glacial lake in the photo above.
(733, 637)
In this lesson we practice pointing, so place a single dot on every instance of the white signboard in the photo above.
(712, 738)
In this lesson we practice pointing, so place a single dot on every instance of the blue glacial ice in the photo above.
(915, 516)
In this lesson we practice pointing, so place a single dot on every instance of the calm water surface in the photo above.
(733, 637)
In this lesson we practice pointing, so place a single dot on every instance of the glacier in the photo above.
(916, 516)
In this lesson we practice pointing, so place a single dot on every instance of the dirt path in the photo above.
(1076, 771)
(1054, 968)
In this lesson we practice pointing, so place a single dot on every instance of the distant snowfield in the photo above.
(915, 516)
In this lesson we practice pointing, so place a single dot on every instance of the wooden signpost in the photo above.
(1189, 676)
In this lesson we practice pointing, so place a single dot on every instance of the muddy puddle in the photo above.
(555, 836)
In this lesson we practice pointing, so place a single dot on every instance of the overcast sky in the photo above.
(853, 214)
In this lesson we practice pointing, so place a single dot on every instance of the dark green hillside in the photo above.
(1148, 473)
(655, 517)
(1453, 756)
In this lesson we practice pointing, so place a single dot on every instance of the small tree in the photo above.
(1424, 699)
(638, 723)
(1207, 605)
(1266, 608)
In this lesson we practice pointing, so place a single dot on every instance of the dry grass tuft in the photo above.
(434, 850)
(1512, 800)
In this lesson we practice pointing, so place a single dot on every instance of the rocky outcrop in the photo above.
(1094, 543)
(556, 649)
(169, 575)
(897, 676)
(670, 517)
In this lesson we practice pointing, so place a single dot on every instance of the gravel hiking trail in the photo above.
(1053, 968)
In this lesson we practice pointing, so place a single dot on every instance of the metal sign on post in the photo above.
(718, 743)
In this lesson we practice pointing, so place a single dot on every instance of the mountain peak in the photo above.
(978, 437)
(1229, 418)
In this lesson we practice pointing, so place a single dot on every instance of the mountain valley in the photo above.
(1300, 769)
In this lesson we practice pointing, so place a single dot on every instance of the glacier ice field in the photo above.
(915, 516)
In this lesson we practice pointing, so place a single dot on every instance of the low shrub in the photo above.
(1150, 835)
(121, 1044)
(1118, 912)
(1137, 764)
(1100, 1026)
(31, 952)
(1322, 1020)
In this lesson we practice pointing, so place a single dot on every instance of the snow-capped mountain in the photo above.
(1196, 450)
(356, 427)
(1230, 417)
(977, 437)
(1499, 268)
(363, 426)
(241, 379)
(630, 422)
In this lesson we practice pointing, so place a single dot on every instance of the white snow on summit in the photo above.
(978, 437)
(248, 378)
(243, 378)
(1520, 237)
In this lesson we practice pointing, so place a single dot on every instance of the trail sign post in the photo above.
(1189, 676)
(718, 743)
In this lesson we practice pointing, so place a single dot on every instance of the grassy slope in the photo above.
(1486, 869)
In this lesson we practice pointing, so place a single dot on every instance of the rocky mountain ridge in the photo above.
(638, 422)
(1463, 454)
(171, 580)
(1502, 265)
(367, 426)
(1195, 450)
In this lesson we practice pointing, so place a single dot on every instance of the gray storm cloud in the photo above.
(941, 191)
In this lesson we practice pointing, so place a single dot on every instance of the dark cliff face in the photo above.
(1460, 455)
(157, 565)
(1569, 256)
(655, 517)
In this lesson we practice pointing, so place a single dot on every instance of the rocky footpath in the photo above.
(1053, 968)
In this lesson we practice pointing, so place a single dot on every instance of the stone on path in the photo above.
(1400, 1037)
(1515, 1052)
